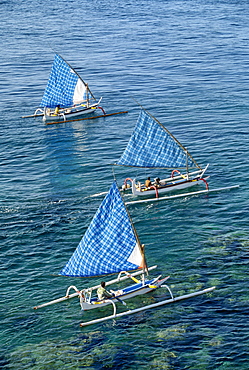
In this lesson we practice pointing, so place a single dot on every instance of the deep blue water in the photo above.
(186, 62)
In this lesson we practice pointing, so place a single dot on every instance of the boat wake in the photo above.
(99, 194)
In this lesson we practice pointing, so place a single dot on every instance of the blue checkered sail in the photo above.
(152, 146)
(65, 88)
(109, 244)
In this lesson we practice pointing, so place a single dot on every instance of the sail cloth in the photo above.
(65, 88)
(109, 244)
(152, 146)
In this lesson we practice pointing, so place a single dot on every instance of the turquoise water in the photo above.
(187, 63)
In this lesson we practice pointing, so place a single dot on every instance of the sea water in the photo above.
(186, 62)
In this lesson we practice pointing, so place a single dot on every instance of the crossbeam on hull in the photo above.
(76, 294)
(154, 305)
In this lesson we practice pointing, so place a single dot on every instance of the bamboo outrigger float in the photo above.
(182, 195)
(111, 245)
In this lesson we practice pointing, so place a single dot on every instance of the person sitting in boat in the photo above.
(57, 109)
(103, 293)
(157, 182)
(147, 183)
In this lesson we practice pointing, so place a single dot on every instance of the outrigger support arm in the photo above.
(71, 287)
(130, 312)
(81, 293)
(204, 170)
(170, 292)
(114, 306)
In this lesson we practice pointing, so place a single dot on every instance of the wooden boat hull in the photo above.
(127, 293)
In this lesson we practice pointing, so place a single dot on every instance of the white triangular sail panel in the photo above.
(64, 88)
(109, 244)
(80, 92)
(151, 146)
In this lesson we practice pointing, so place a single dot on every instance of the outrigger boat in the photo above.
(66, 95)
(152, 146)
(111, 245)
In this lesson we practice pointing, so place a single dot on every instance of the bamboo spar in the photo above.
(65, 298)
(77, 119)
(33, 115)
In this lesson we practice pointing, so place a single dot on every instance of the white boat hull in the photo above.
(50, 115)
(173, 183)
(173, 186)
(70, 114)
(138, 290)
